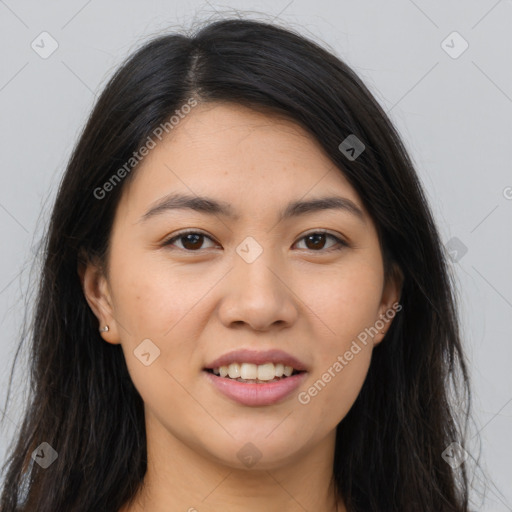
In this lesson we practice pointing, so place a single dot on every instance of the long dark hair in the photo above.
(83, 404)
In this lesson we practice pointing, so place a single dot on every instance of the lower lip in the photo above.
(251, 394)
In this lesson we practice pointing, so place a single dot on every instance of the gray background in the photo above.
(454, 115)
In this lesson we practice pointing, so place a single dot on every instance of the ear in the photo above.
(391, 294)
(97, 293)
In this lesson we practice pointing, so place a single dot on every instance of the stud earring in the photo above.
(104, 329)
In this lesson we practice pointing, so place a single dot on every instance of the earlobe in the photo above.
(96, 291)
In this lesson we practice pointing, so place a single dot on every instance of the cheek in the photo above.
(344, 300)
(162, 302)
(339, 373)
(157, 329)
(152, 295)
(345, 305)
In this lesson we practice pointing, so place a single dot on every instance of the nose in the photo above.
(258, 294)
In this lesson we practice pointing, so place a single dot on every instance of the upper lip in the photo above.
(257, 357)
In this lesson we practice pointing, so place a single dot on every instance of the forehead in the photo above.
(242, 156)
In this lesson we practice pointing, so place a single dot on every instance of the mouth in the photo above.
(256, 377)
(245, 387)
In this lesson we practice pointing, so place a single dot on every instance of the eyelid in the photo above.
(340, 241)
(168, 240)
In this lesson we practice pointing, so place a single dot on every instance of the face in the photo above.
(310, 284)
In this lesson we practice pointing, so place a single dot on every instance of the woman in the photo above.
(244, 303)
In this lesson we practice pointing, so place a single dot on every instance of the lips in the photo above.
(256, 395)
(258, 357)
(256, 392)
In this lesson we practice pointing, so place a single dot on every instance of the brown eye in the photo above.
(191, 240)
(316, 241)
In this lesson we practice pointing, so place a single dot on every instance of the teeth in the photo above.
(266, 371)
(234, 371)
(249, 371)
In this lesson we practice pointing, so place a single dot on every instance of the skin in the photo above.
(302, 297)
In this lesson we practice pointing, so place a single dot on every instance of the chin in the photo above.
(259, 453)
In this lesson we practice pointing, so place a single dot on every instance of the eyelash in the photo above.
(342, 244)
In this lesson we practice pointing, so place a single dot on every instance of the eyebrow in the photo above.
(210, 206)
